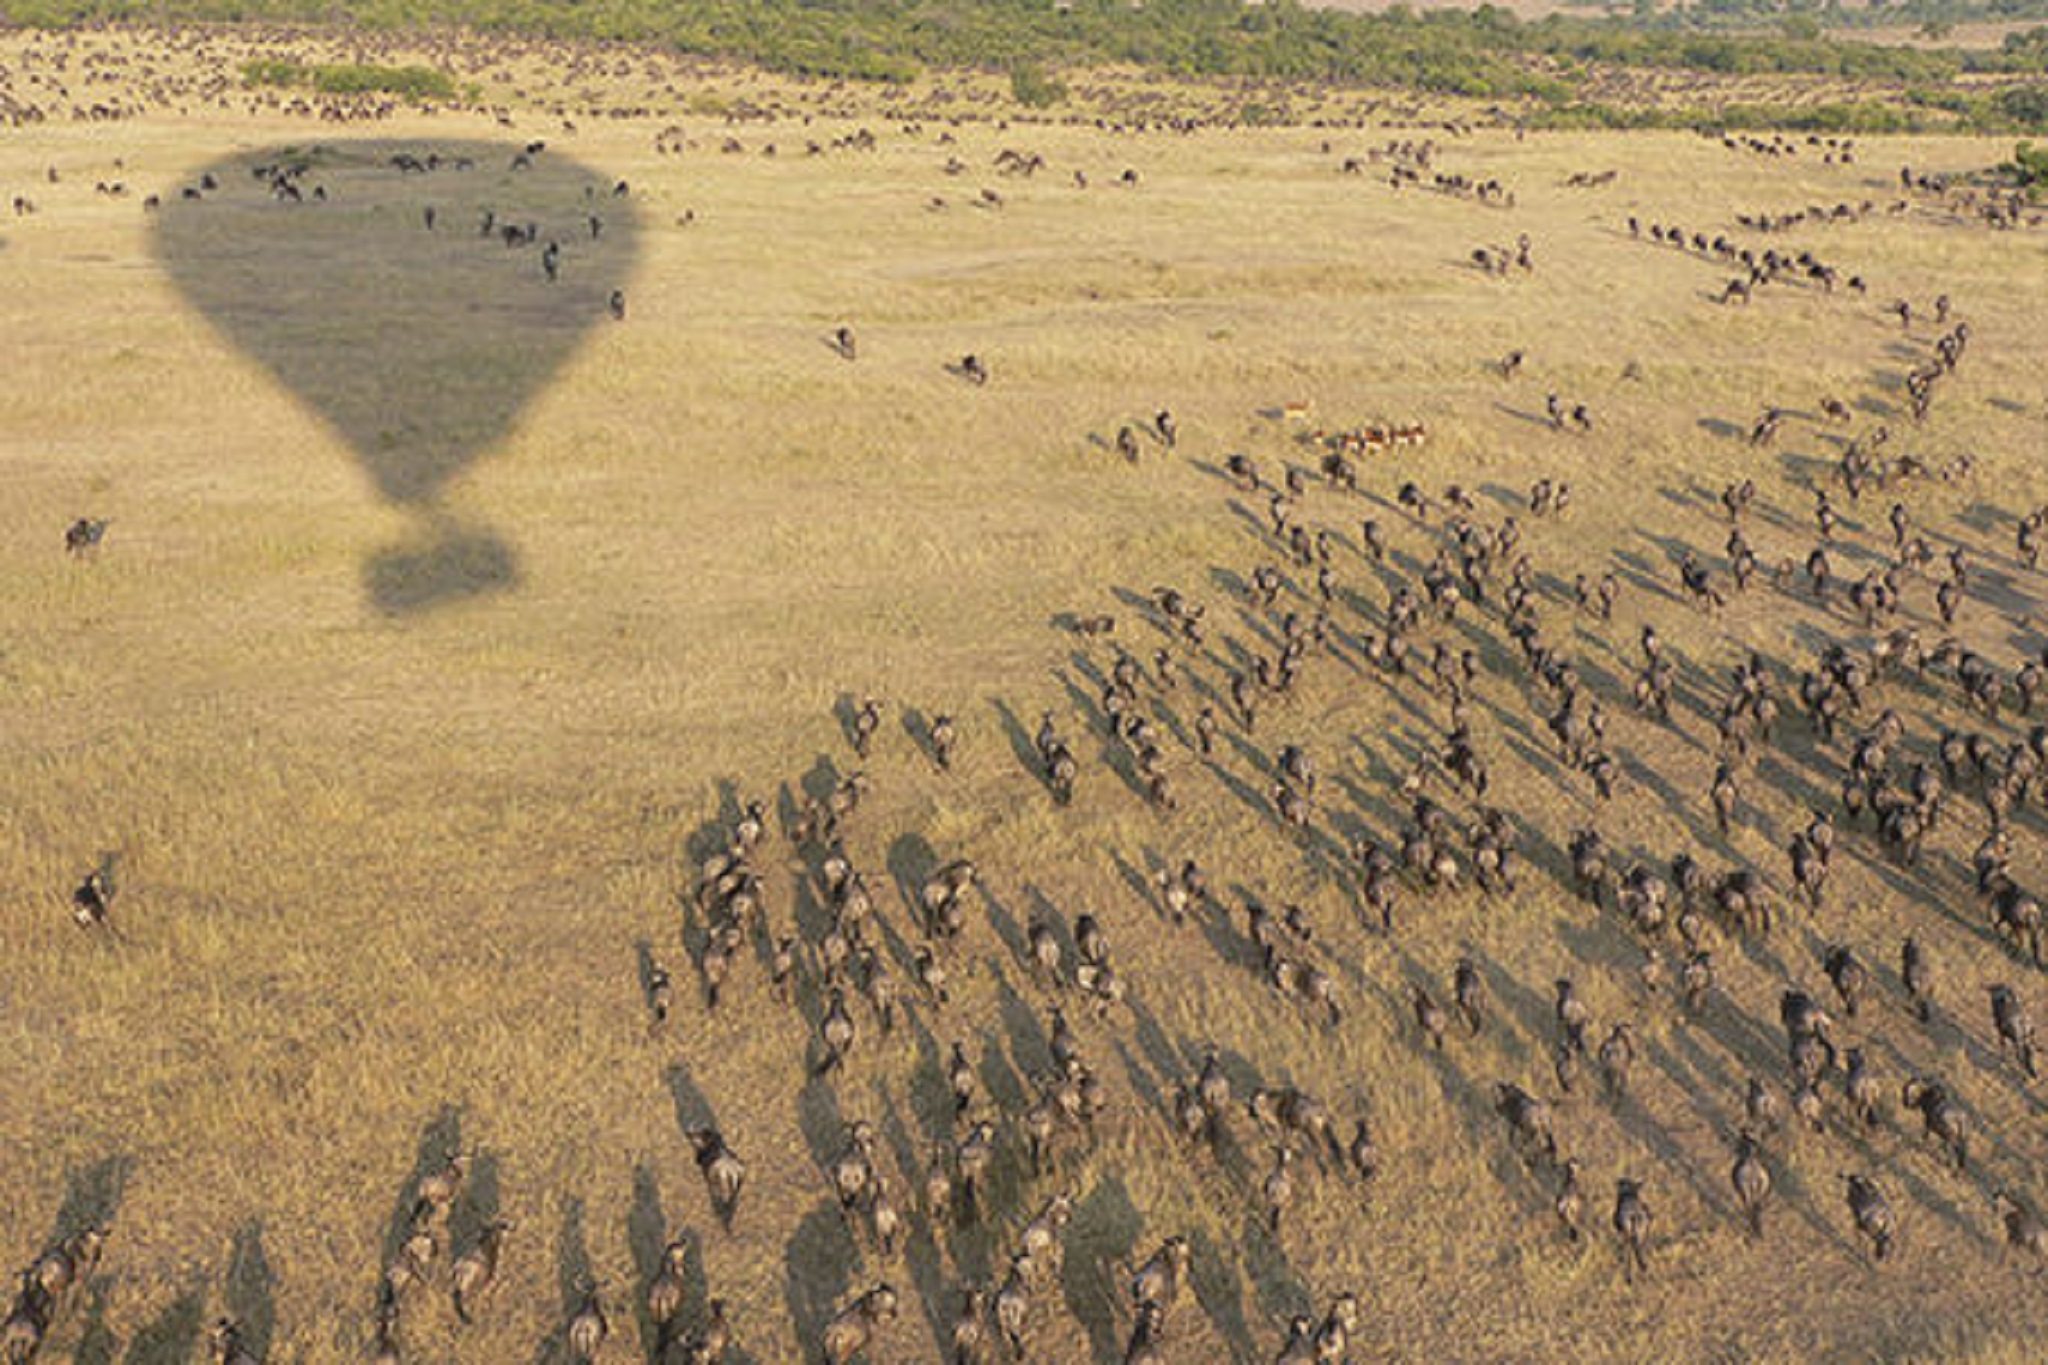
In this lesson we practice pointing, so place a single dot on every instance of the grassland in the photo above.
(386, 874)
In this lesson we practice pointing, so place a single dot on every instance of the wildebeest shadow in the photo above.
(1534, 418)
(415, 296)
(249, 1293)
(477, 1206)
(439, 1140)
(573, 1274)
(1220, 1292)
(647, 1235)
(91, 1195)
(172, 1336)
(819, 1260)
(1105, 1232)
(96, 1341)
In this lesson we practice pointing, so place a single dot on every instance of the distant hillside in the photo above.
(1940, 19)
(1488, 52)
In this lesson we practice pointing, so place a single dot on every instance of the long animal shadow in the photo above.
(1220, 1292)
(646, 1236)
(573, 1275)
(91, 1196)
(920, 1248)
(96, 1340)
(415, 297)
(1022, 748)
(172, 1336)
(1106, 1227)
(819, 1257)
(439, 1140)
(478, 1205)
(249, 1291)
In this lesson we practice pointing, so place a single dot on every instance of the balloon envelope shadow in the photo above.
(402, 291)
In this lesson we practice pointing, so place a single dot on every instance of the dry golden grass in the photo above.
(385, 876)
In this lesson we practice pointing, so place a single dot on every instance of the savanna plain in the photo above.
(447, 617)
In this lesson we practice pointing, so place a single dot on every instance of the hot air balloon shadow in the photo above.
(407, 294)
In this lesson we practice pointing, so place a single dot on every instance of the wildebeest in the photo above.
(1917, 977)
(1570, 1203)
(85, 534)
(1279, 1187)
(2023, 1227)
(1158, 1282)
(2015, 1028)
(836, 1031)
(854, 1327)
(1013, 1303)
(225, 1345)
(724, 1173)
(477, 1269)
(1872, 1213)
(1940, 1117)
(1751, 1180)
(1632, 1224)
(588, 1328)
(93, 898)
(1527, 1117)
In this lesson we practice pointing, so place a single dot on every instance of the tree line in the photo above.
(1484, 52)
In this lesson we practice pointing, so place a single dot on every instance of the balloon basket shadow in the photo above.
(444, 566)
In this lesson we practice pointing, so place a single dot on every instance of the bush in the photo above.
(417, 83)
(1035, 89)
(2026, 105)
(2029, 166)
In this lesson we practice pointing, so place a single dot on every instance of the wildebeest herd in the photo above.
(1889, 742)
(1476, 634)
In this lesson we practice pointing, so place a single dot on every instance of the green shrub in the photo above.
(2025, 105)
(1034, 88)
(417, 83)
(2029, 167)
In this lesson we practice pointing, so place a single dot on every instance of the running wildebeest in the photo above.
(225, 1346)
(85, 534)
(2024, 1230)
(1528, 1119)
(1632, 1224)
(1570, 1203)
(2015, 1028)
(477, 1269)
(855, 1327)
(93, 898)
(1751, 1180)
(589, 1327)
(724, 1173)
(1940, 1117)
(1872, 1213)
